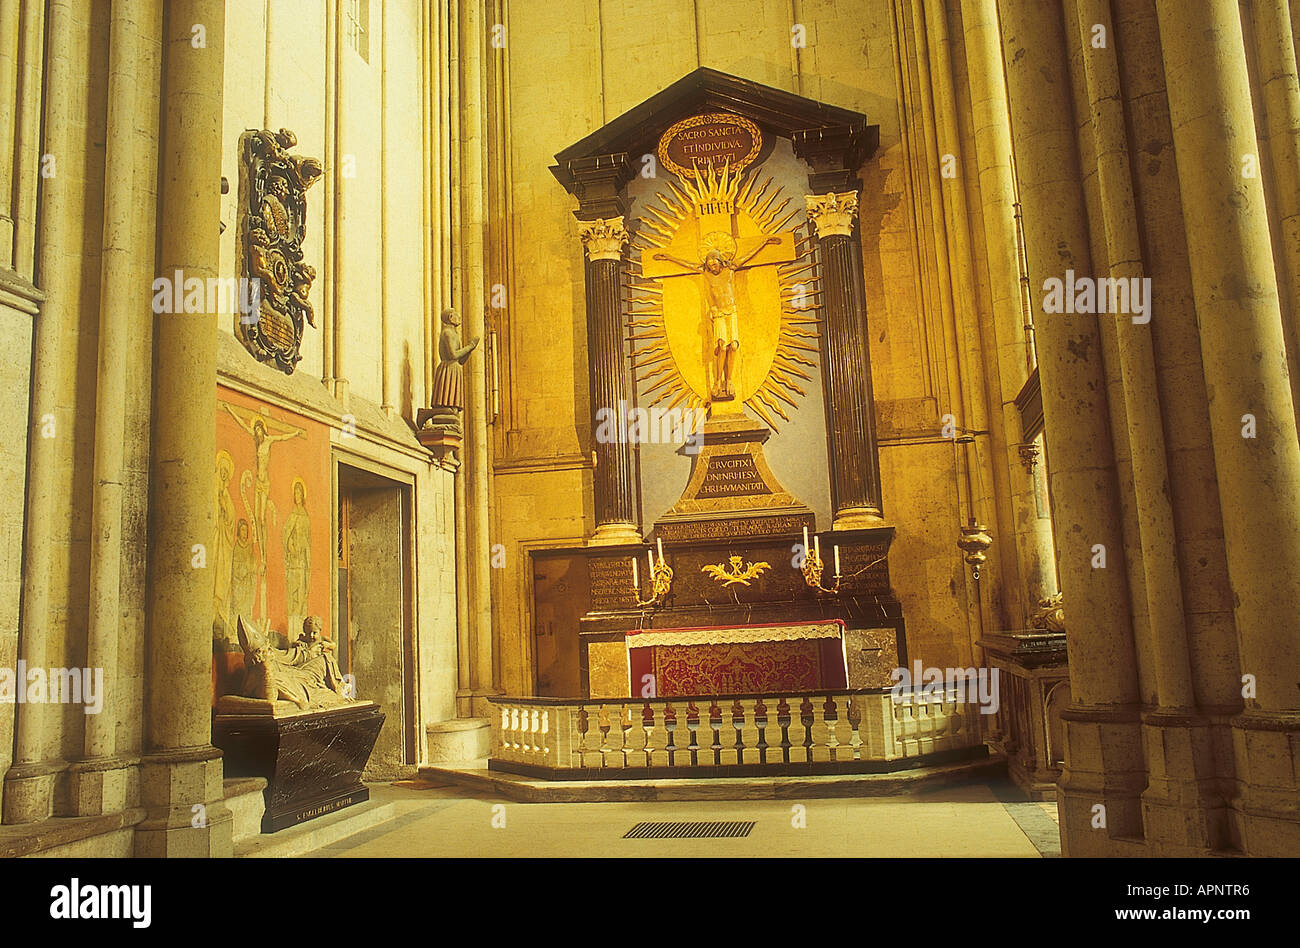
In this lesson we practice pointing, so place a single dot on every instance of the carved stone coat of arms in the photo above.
(273, 221)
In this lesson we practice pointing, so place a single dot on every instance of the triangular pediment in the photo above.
(775, 111)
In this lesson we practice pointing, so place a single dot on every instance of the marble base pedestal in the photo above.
(312, 760)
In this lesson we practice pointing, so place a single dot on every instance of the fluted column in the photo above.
(610, 385)
(181, 769)
(846, 364)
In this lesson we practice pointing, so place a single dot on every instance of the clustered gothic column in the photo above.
(610, 386)
(983, 47)
(846, 369)
(181, 769)
(1104, 761)
(1251, 414)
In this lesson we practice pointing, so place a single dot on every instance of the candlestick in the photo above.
(837, 561)
(636, 579)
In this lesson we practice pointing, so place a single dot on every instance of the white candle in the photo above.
(650, 555)
(837, 561)
(636, 579)
(817, 546)
(660, 543)
(805, 540)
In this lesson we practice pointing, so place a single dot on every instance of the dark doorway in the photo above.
(374, 609)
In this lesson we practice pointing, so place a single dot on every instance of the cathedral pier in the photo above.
(181, 772)
(1012, 362)
(1251, 414)
(1103, 763)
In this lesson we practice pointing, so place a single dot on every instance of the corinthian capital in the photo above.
(832, 213)
(604, 239)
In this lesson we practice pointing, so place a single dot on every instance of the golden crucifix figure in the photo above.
(717, 264)
(718, 267)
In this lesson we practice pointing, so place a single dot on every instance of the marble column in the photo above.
(1235, 289)
(846, 365)
(614, 483)
(1104, 763)
(181, 772)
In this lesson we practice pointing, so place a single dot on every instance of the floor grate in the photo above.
(689, 830)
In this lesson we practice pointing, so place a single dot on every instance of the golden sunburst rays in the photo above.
(719, 190)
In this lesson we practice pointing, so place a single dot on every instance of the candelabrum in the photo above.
(812, 571)
(661, 580)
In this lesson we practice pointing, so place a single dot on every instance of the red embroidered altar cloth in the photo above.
(732, 660)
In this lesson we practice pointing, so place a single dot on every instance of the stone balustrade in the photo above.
(851, 731)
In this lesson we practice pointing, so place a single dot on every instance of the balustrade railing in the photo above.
(823, 732)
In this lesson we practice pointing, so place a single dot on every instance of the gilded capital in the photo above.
(831, 213)
(604, 239)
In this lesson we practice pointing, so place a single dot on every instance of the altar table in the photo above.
(731, 660)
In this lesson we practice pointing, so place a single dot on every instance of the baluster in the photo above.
(693, 731)
(749, 755)
(853, 714)
(636, 728)
(501, 735)
(820, 732)
(588, 737)
(544, 736)
(615, 729)
(761, 725)
(715, 729)
(677, 755)
(733, 738)
(514, 734)
(798, 731)
(842, 734)
(836, 731)
(530, 734)
(783, 724)
(657, 737)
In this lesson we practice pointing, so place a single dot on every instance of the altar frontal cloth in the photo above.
(733, 660)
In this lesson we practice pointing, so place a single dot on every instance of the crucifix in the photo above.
(715, 259)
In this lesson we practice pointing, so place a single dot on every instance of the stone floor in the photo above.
(970, 820)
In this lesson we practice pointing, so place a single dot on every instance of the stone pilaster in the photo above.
(846, 363)
(610, 384)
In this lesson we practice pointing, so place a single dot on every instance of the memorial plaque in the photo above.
(611, 583)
